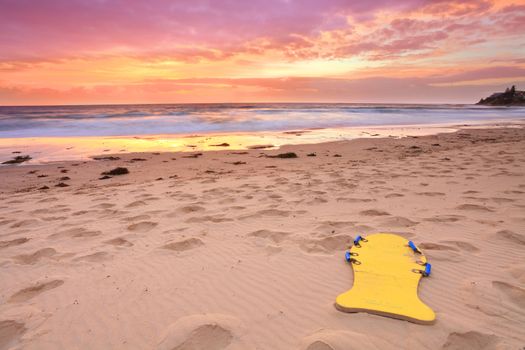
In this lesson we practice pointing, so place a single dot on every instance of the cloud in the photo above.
(98, 51)
(435, 89)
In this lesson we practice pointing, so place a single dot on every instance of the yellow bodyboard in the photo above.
(387, 271)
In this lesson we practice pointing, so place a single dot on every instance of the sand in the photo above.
(234, 250)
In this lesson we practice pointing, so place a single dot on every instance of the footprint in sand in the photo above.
(445, 218)
(374, 212)
(518, 272)
(187, 244)
(473, 207)
(6, 222)
(136, 204)
(464, 246)
(436, 246)
(354, 200)
(326, 245)
(17, 241)
(77, 232)
(119, 241)
(190, 209)
(500, 200)
(430, 194)
(328, 339)
(208, 218)
(24, 223)
(143, 226)
(514, 294)
(136, 218)
(399, 221)
(10, 333)
(394, 195)
(210, 332)
(472, 340)
(272, 235)
(442, 252)
(95, 257)
(511, 237)
(31, 292)
(104, 205)
(29, 259)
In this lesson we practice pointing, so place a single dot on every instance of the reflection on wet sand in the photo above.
(49, 149)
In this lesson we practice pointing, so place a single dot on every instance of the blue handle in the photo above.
(357, 239)
(348, 256)
(413, 246)
(428, 268)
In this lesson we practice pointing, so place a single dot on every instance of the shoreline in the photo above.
(161, 161)
(57, 149)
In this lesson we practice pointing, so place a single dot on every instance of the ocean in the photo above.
(117, 120)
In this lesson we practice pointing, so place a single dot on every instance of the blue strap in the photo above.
(413, 246)
(357, 239)
(428, 269)
(348, 256)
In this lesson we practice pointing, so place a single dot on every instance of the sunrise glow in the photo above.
(96, 52)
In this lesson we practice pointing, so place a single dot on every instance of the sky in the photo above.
(57, 52)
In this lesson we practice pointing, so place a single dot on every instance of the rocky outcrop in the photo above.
(510, 97)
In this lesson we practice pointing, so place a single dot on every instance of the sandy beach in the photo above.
(237, 250)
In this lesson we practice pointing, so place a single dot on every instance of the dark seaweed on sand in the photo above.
(284, 155)
(17, 160)
(106, 158)
(116, 171)
(195, 155)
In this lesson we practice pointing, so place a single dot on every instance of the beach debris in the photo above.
(156, 153)
(18, 160)
(260, 146)
(105, 177)
(138, 160)
(224, 144)
(159, 179)
(42, 175)
(61, 184)
(44, 188)
(63, 171)
(65, 178)
(174, 176)
(32, 172)
(195, 155)
(117, 171)
(337, 155)
(238, 163)
(284, 155)
(311, 155)
(16, 152)
(244, 152)
(106, 158)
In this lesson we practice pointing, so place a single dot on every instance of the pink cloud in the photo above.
(76, 27)
(294, 89)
